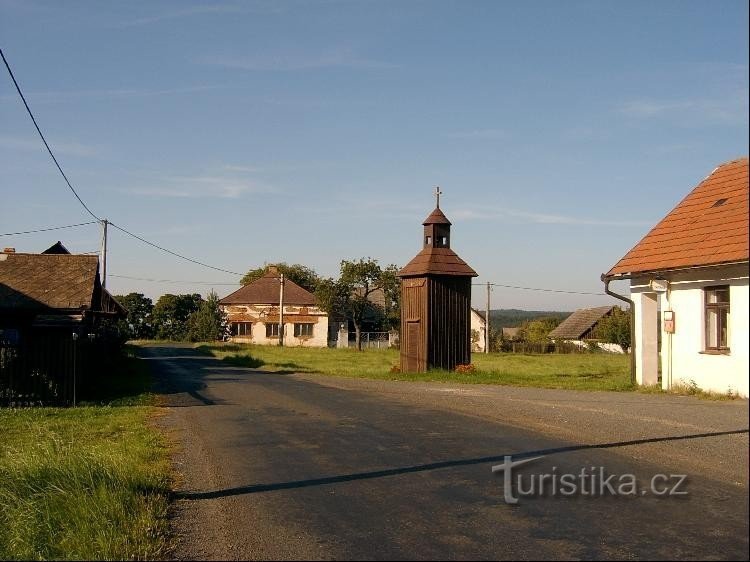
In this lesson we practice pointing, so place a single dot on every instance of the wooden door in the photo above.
(414, 346)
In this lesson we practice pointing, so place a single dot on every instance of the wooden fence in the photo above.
(44, 370)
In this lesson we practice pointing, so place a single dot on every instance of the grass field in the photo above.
(85, 483)
(581, 371)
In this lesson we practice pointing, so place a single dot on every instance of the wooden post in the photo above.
(487, 322)
(105, 222)
(281, 309)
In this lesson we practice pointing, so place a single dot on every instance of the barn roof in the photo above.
(38, 281)
(580, 322)
(708, 227)
(265, 290)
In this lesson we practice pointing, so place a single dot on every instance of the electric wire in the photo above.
(171, 280)
(47, 229)
(163, 249)
(540, 289)
(38, 130)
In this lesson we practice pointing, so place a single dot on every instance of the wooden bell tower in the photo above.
(435, 302)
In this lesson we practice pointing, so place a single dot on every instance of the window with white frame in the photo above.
(243, 329)
(717, 318)
(303, 330)
(272, 330)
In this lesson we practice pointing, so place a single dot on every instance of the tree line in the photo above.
(364, 293)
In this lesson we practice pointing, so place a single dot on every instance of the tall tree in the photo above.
(615, 328)
(537, 331)
(353, 294)
(171, 313)
(208, 323)
(304, 276)
(138, 323)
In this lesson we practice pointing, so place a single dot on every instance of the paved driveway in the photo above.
(306, 466)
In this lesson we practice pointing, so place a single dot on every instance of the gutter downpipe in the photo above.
(606, 279)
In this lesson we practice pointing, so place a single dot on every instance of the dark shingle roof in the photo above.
(265, 290)
(580, 322)
(437, 261)
(436, 217)
(709, 226)
(38, 281)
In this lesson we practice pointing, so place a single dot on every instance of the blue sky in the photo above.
(240, 133)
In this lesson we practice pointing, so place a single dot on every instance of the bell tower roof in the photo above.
(436, 217)
(436, 257)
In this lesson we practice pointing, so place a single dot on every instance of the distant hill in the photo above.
(512, 317)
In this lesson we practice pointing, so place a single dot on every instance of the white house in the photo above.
(478, 328)
(689, 286)
(253, 313)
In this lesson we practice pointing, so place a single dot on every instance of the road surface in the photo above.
(290, 466)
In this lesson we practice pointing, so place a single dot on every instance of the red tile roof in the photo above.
(265, 290)
(708, 227)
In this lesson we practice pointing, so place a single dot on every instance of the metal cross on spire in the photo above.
(438, 193)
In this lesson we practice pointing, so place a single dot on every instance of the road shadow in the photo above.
(258, 488)
(182, 382)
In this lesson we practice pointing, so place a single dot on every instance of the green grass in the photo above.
(580, 371)
(86, 483)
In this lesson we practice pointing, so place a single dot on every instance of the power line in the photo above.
(38, 130)
(171, 280)
(48, 229)
(542, 290)
(174, 253)
(54, 159)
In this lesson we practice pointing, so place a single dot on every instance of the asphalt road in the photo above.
(288, 466)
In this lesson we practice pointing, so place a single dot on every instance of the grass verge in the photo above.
(86, 483)
(581, 371)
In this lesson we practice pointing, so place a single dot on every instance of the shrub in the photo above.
(466, 369)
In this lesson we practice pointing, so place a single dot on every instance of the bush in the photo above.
(466, 369)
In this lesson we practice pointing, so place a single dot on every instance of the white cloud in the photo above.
(492, 214)
(63, 96)
(726, 110)
(479, 134)
(202, 186)
(185, 13)
(341, 58)
(68, 148)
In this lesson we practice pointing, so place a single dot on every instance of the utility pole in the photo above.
(487, 322)
(105, 222)
(281, 309)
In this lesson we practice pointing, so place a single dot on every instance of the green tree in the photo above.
(138, 323)
(171, 313)
(615, 328)
(352, 294)
(304, 276)
(537, 331)
(208, 323)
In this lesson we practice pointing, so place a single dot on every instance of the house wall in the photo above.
(260, 315)
(478, 325)
(683, 358)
